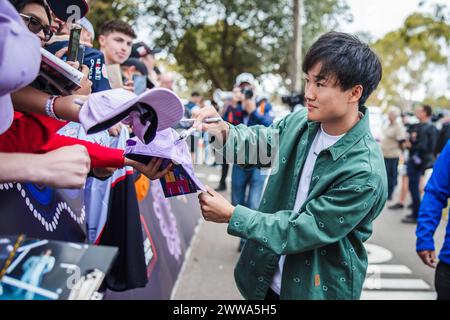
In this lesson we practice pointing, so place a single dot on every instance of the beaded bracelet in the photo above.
(49, 108)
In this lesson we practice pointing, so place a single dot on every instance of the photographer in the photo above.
(295, 101)
(421, 145)
(246, 108)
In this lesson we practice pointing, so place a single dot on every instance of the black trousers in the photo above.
(442, 281)
(392, 174)
(223, 178)
(272, 296)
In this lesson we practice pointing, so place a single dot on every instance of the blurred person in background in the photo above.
(444, 135)
(421, 145)
(394, 137)
(143, 52)
(166, 80)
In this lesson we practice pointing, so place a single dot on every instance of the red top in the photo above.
(34, 133)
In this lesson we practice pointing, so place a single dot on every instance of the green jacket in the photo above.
(323, 242)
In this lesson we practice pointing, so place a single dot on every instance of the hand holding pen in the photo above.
(186, 133)
(206, 121)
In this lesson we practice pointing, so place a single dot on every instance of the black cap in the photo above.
(140, 49)
(61, 7)
(138, 64)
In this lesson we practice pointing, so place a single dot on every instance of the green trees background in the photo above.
(214, 40)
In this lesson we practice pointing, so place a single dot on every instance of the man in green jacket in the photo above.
(327, 185)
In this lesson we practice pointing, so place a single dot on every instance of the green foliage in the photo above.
(440, 102)
(217, 39)
(407, 54)
(101, 11)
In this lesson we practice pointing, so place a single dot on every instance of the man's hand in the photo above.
(74, 64)
(86, 84)
(407, 144)
(129, 85)
(66, 167)
(61, 52)
(428, 257)
(115, 130)
(214, 207)
(151, 170)
(103, 172)
(218, 129)
(249, 105)
(68, 107)
(237, 96)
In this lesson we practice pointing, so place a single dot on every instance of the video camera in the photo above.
(293, 100)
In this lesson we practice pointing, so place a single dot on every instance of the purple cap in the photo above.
(164, 146)
(154, 110)
(17, 69)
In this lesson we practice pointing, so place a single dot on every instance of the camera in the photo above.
(293, 100)
(247, 92)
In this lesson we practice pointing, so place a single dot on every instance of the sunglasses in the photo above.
(35, 26)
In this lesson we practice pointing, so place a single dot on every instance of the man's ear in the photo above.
(102, 40)
(356, 93)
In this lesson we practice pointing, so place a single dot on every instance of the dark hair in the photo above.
(20, 4)
(348, 59)
(195, 94)
(117, 26)
(428, 110)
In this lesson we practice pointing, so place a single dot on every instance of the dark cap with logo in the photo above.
(140, 49)
(64, 9)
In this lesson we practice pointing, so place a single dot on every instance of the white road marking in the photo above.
(398, 295)
(377, 254)
(372, 283)
(388, 269)
(213, 178)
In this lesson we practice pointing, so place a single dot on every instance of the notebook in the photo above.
(59, 74)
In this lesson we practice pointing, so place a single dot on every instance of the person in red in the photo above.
(35, 133)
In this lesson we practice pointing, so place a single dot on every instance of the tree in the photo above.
(101, 11)
(217, 39)
(407, 54)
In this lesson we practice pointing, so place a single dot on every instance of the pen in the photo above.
(207, 120)
(185, 134)
(188, 132)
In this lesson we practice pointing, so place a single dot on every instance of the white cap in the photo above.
(244, 78)
(86, 24)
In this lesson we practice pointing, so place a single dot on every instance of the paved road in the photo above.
(395, 271)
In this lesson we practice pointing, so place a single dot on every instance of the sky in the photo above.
(379, 17)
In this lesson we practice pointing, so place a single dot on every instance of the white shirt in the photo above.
(321, 141)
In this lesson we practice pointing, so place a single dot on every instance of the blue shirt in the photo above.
(190, 105)
(94, 60)
(434, 201)
(261, 116)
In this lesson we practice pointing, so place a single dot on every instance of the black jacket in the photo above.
(423, 137)
(444, 135)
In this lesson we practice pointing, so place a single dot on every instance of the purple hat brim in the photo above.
(6, 113)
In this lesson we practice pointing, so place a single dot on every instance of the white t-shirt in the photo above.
(321, 141)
